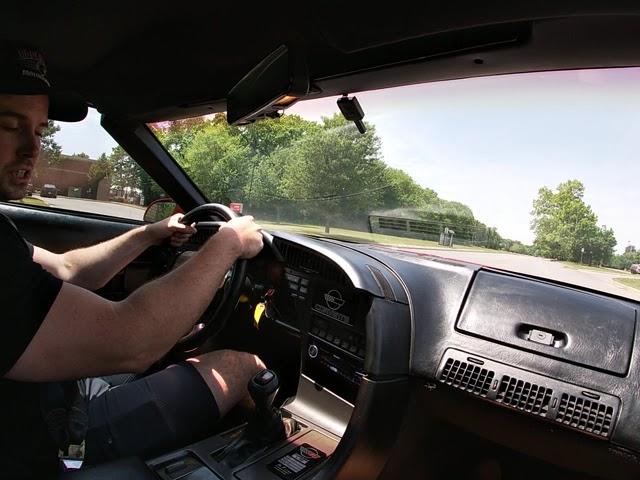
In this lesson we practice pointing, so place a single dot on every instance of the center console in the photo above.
(276, 444)
(335, 348)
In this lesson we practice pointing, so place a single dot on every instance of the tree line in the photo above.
(294, 170)
(566, 228)
(297, 171)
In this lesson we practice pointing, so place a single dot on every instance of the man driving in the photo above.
(55, 329)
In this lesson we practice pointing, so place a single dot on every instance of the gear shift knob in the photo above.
(263, 388)
(265, 428)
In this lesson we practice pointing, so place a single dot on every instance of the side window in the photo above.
(82, 168)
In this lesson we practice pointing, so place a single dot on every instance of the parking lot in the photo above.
(114, 209)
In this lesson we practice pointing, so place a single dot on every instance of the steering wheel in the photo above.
(219, 311)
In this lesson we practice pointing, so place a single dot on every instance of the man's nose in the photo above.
(30, 145)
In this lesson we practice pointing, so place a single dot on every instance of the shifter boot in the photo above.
(266, 426)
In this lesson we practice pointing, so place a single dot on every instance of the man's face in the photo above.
(23, 119)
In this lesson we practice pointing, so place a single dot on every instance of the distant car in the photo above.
(635, 268)
(49, 190)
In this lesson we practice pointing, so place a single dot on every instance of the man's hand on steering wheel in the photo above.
(246, 239)
(171, 227)
(245, 233)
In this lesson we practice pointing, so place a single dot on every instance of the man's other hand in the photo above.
(171, 228)
(246, 234)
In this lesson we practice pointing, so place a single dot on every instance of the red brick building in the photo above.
(70, 175)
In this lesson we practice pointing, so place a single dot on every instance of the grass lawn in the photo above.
(363, 237)
(34, 201)
(629, 282)
(580, 266)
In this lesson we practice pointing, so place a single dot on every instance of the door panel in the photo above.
(59, 231)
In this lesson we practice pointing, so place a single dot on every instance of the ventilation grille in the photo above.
(547, 398)
(525, 396)
(466, 376)
(300, 259)
(584, 414)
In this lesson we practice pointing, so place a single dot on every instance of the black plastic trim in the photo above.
(535, 394)
(506, 309)
(371, 434)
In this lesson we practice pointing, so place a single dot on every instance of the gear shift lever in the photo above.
(263, 388)
(265, 428)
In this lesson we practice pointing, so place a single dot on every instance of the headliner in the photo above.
(157, 60)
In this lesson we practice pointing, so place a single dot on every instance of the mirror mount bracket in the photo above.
(352, 111)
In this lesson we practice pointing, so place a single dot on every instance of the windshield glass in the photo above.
(531, 173)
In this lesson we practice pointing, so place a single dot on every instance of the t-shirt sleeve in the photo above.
(27, 292)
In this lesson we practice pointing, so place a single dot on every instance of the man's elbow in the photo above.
(85, 281)
(137, 352)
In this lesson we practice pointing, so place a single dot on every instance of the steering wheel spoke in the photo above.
(224, 301)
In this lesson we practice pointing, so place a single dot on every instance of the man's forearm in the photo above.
(161, 312)
(94, 266)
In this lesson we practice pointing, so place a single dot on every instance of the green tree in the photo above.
(127, 177)
(403, 191)
(100, 169)
(566, 227)
(178, 135)
(264, 140)
(337, 170)
(50, 149)
(218, 162)
(625, 260)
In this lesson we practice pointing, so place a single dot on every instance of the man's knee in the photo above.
(227, 373)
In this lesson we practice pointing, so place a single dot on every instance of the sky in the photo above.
(492, 142)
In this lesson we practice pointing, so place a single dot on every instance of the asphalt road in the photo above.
(92, 206)
(542, 267)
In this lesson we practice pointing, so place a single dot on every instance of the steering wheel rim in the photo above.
(217, 314)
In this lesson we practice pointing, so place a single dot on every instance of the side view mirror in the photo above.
(160, 209)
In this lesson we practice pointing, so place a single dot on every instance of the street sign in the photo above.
(236, 207)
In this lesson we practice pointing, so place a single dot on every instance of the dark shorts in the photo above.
(147, 416)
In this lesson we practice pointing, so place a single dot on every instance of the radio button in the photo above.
(313, 351)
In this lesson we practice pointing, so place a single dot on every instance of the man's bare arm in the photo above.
(86, 335)
(94, 266)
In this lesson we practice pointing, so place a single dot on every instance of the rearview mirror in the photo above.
(276, 83)
(160, 209)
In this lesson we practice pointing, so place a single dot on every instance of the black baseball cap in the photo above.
(23, 71)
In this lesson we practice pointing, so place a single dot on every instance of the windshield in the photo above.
(531, 173)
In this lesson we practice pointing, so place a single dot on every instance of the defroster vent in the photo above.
(588, 411)
(523, 395)
(467, 376)
(585, 414)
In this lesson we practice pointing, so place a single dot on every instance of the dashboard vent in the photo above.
(523, 395)
(584, 414)
(548, 399)
(466, 376)
(301, 259)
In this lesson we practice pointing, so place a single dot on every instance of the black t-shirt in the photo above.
(27, 292)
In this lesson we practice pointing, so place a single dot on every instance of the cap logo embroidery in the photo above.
(33, 65)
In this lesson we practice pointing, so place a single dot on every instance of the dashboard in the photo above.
(549, 361)
(541, 368)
